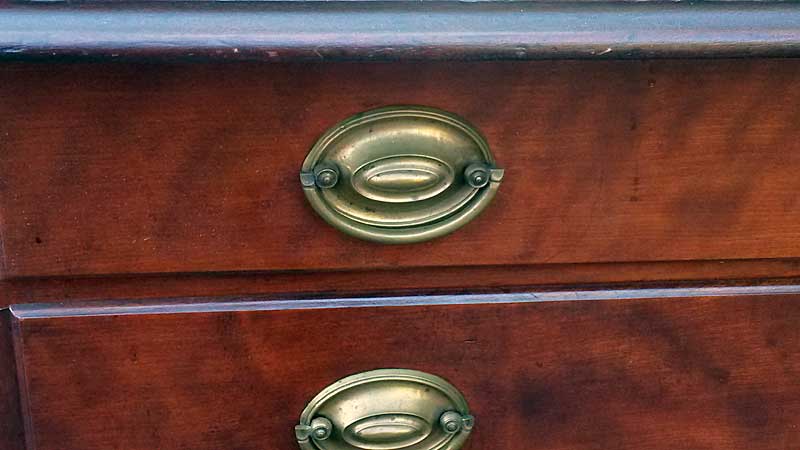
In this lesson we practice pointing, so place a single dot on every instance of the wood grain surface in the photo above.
(11, 427)
(128, 169)
(705, 372)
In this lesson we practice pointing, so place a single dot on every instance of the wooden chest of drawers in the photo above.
(633, 284)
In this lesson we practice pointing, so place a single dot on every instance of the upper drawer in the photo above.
(125, 168)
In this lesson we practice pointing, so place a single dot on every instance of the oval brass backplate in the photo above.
(400, 174)
(386, 409)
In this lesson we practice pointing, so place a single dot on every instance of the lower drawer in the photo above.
(639, 369)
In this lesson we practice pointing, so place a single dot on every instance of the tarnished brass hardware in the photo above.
(386, 409)
(326, 177)
(478, 175)
(452, 422)
(400, 174)
(321, 428)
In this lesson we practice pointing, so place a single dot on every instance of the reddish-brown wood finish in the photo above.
(11, 429)
(671, 374)
(127, 169)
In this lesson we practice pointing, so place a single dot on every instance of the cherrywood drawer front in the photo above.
(125, 168)
(703, 369)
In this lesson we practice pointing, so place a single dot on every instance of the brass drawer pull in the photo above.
(386, 409)
(400, 174)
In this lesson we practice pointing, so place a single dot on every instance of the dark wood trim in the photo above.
(211, 305)
(398, 30)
